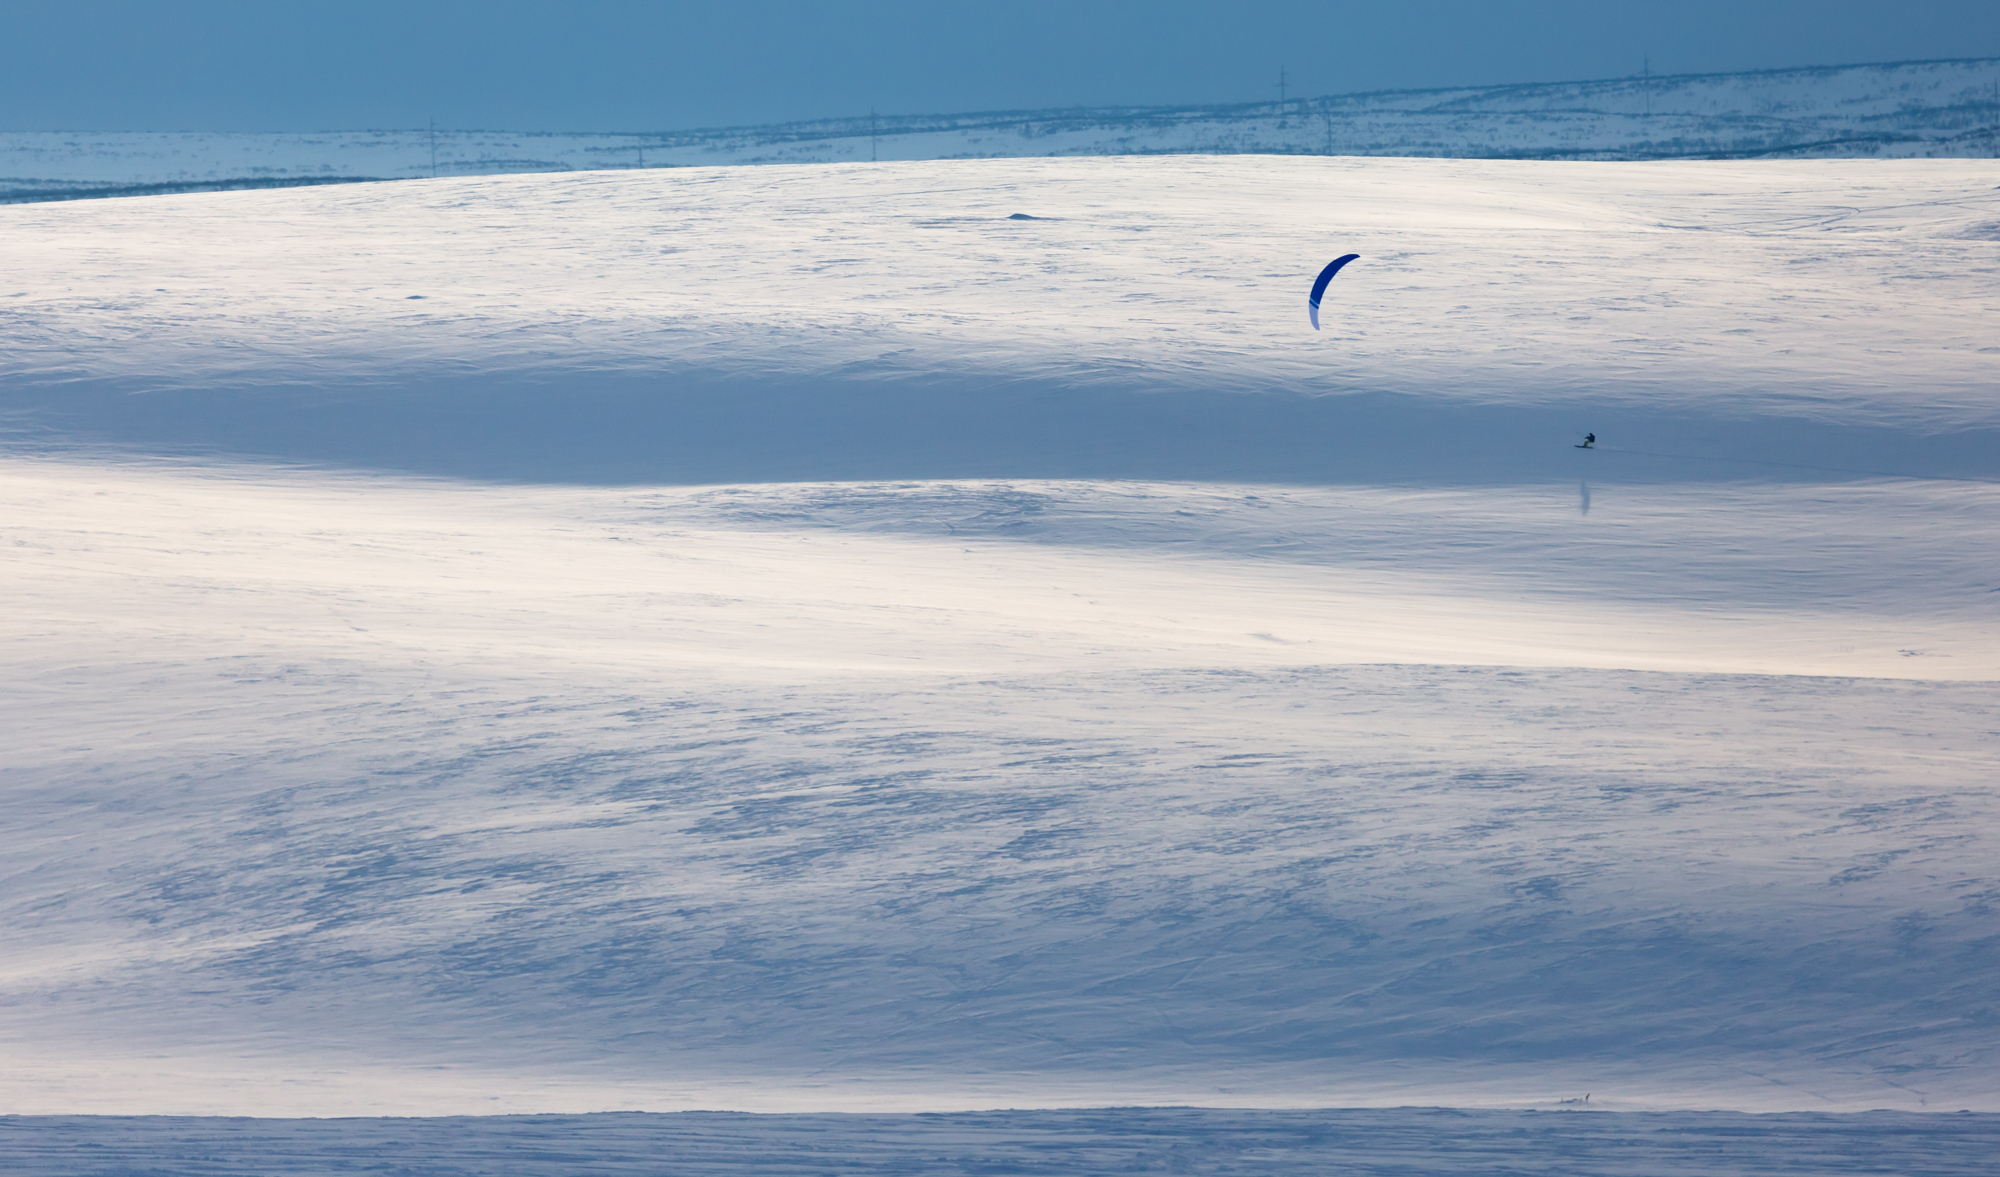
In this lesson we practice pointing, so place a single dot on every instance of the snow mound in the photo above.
(729, 325)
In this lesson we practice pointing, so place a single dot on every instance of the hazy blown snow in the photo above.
(798, 638)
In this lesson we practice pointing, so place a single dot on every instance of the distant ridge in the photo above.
(1896, 110)
(101, 191)
(1854, 109)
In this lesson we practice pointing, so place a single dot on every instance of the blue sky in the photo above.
(621, 65)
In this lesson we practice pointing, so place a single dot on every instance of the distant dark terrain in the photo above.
(1899, 110)
(1114, 1140)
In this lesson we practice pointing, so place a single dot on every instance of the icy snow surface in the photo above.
(799, 639)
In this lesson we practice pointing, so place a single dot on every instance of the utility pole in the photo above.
(1326, 112)
(434, 149)
(872, 141)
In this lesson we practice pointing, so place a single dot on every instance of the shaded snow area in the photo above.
(1391, 1143)
(1902, 110)
(800, 640)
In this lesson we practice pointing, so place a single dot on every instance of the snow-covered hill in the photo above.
(1929, 110)
(798, 638)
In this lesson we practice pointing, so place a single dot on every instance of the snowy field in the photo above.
(803, 640)
(1924, 110)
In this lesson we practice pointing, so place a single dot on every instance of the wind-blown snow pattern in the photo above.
(1899, 110)
(802, 639)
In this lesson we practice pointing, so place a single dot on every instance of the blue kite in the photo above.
(1325, 276)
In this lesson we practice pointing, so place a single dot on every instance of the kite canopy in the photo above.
(1319, 284)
